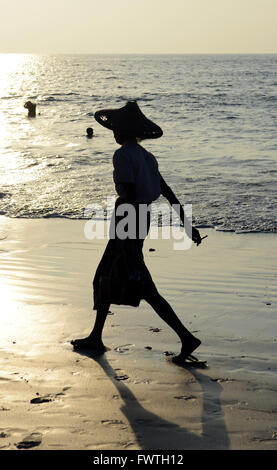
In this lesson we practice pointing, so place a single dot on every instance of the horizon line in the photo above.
(142, 53)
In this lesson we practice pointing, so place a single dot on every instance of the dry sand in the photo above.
(132, 397)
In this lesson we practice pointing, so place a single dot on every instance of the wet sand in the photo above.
(133, 397)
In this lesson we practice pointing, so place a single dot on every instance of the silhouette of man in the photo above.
(31, 108)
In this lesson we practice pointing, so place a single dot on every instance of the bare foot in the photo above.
(88, 343)
(187, 348)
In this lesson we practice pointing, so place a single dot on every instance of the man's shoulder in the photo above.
(122, 157)
(123, 150)
(133, 152)
(118, 154)
(118, 151)
(151, 158)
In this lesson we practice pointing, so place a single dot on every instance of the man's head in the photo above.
(128, 121)
(120, 138)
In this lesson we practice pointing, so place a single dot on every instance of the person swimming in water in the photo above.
(89, 132)
(31, 108)
(122, 277)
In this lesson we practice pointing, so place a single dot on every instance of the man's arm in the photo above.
(167, 192)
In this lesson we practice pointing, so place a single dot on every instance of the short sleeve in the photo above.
(123, 169)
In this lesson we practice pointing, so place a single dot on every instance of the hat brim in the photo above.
(128, 120)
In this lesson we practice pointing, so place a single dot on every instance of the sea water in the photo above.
(218, 151)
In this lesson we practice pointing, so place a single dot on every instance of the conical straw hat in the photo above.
(129, 120)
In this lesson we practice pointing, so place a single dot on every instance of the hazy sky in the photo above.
(138, 26)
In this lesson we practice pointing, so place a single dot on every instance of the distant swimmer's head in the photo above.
(31, 108)
(89, 132)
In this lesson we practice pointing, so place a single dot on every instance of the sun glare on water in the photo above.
(14, 69)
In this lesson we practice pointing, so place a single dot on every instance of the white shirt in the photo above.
(133, 164)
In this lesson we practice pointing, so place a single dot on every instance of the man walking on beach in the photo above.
(122, 276)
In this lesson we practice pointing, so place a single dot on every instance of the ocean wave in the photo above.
(271, 98)
(57, 97)
(11, 97)
(32, 164)
(71, 215)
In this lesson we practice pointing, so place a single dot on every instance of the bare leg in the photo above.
(94, 340)
(164, 310)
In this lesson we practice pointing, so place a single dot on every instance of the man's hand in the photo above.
(195, 235)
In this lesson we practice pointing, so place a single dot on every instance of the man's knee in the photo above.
(103, 309)
(151, 294)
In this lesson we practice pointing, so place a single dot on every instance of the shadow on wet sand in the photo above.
(153, 432)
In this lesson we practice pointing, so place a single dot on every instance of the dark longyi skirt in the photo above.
(122, 277)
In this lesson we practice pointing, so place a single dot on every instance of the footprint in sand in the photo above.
(222, 379)
(111, 421)
(122, 349)
(121, 377)
(33, 440)
(114, 422)
(47, 398)
(143, 381)
(186, 397)
(44, 399)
